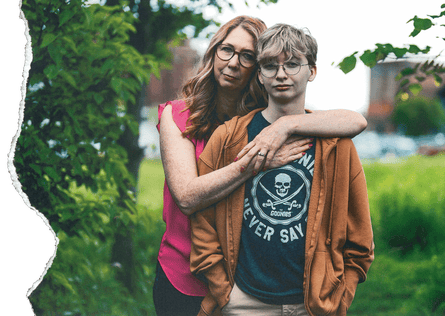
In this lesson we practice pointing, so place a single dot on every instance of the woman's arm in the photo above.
(190, 192)
(331, 123)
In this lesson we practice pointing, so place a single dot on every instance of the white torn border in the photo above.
(12, 174)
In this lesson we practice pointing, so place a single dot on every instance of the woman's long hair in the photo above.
(199, 92)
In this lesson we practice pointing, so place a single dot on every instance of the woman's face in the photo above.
(230, 75)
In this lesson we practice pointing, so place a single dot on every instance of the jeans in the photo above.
(241, 303)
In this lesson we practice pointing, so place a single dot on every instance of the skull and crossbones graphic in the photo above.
(282, 186)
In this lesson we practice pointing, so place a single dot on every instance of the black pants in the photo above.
(169, 301)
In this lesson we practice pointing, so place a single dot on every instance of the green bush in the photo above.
(407, 200)
(410, 221)
(82, 281)
(431, 294)
(418, 116)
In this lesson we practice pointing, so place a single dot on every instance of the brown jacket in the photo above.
(339, 238)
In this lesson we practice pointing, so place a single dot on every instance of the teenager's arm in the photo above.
(190, 192)
(358, 249)
(331, 123)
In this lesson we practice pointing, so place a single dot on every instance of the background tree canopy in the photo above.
(431, 67)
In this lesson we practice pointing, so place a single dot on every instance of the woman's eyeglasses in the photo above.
(226, 52)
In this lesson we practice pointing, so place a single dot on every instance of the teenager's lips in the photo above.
(282, 87)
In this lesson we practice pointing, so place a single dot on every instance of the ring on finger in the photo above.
(261, 154)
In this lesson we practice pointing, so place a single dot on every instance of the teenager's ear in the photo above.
(260, 77)
(313, 72)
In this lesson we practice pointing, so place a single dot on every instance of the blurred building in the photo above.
(168, 86)
(383, 90)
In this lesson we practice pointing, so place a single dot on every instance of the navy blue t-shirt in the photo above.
(271, 259)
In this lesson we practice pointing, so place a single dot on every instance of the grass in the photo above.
(151, 184)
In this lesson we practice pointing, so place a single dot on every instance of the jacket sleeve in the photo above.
(358, 251)
(207, 258)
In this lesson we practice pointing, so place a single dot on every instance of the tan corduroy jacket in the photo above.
(339, 239)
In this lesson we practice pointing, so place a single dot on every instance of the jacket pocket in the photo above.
(325, 289)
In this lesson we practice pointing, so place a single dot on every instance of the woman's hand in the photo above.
(275, 154)
(294, 148)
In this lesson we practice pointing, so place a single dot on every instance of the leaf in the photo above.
(404, 82)
(98, 98)
(51, 72)
(36, 168)
(369, 58)
(399, 52)
(437, 80)
(50, 171)
(415, 88)
(48, 38)
(63, 281)
(348, 63)
(420, 25)
(413, 49)
(65, 16)
(55, 54)
(69, 78)
(116, 84)
(407, 71)
(104, 217)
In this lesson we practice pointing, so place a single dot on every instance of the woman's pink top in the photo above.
(174, 253)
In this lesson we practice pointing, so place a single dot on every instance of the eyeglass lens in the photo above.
(271, 70)
(226, 52)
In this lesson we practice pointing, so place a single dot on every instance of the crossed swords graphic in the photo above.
(283, 201)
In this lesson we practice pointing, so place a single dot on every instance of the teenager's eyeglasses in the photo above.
(226, 52)
(291, 68)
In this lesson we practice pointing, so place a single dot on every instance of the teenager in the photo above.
(296, 238)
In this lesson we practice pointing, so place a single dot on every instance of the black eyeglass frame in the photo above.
(234, 52)
(284, 69)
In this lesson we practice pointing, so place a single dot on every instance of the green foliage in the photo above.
(82, 77)
(418, 116)
(382, 51)
(90, 287)
(69, 157)
(405, 281)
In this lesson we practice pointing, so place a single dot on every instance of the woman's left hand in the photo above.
(267, 143)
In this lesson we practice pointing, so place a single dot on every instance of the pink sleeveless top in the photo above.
(174, 252)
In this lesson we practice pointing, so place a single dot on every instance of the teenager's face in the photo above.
(230, 75)
(284, 88)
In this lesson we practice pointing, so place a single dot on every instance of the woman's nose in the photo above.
(234, 61)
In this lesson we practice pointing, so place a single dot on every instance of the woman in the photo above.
(224, 86)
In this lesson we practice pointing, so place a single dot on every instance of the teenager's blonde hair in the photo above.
(288, 39)
(199, 92)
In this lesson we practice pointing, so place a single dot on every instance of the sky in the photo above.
(341, 28)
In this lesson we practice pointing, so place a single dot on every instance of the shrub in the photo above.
(409, 222)
(418, 116)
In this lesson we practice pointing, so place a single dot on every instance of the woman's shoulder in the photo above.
(180, 113)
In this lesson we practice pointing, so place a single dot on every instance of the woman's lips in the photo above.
(229, 77)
